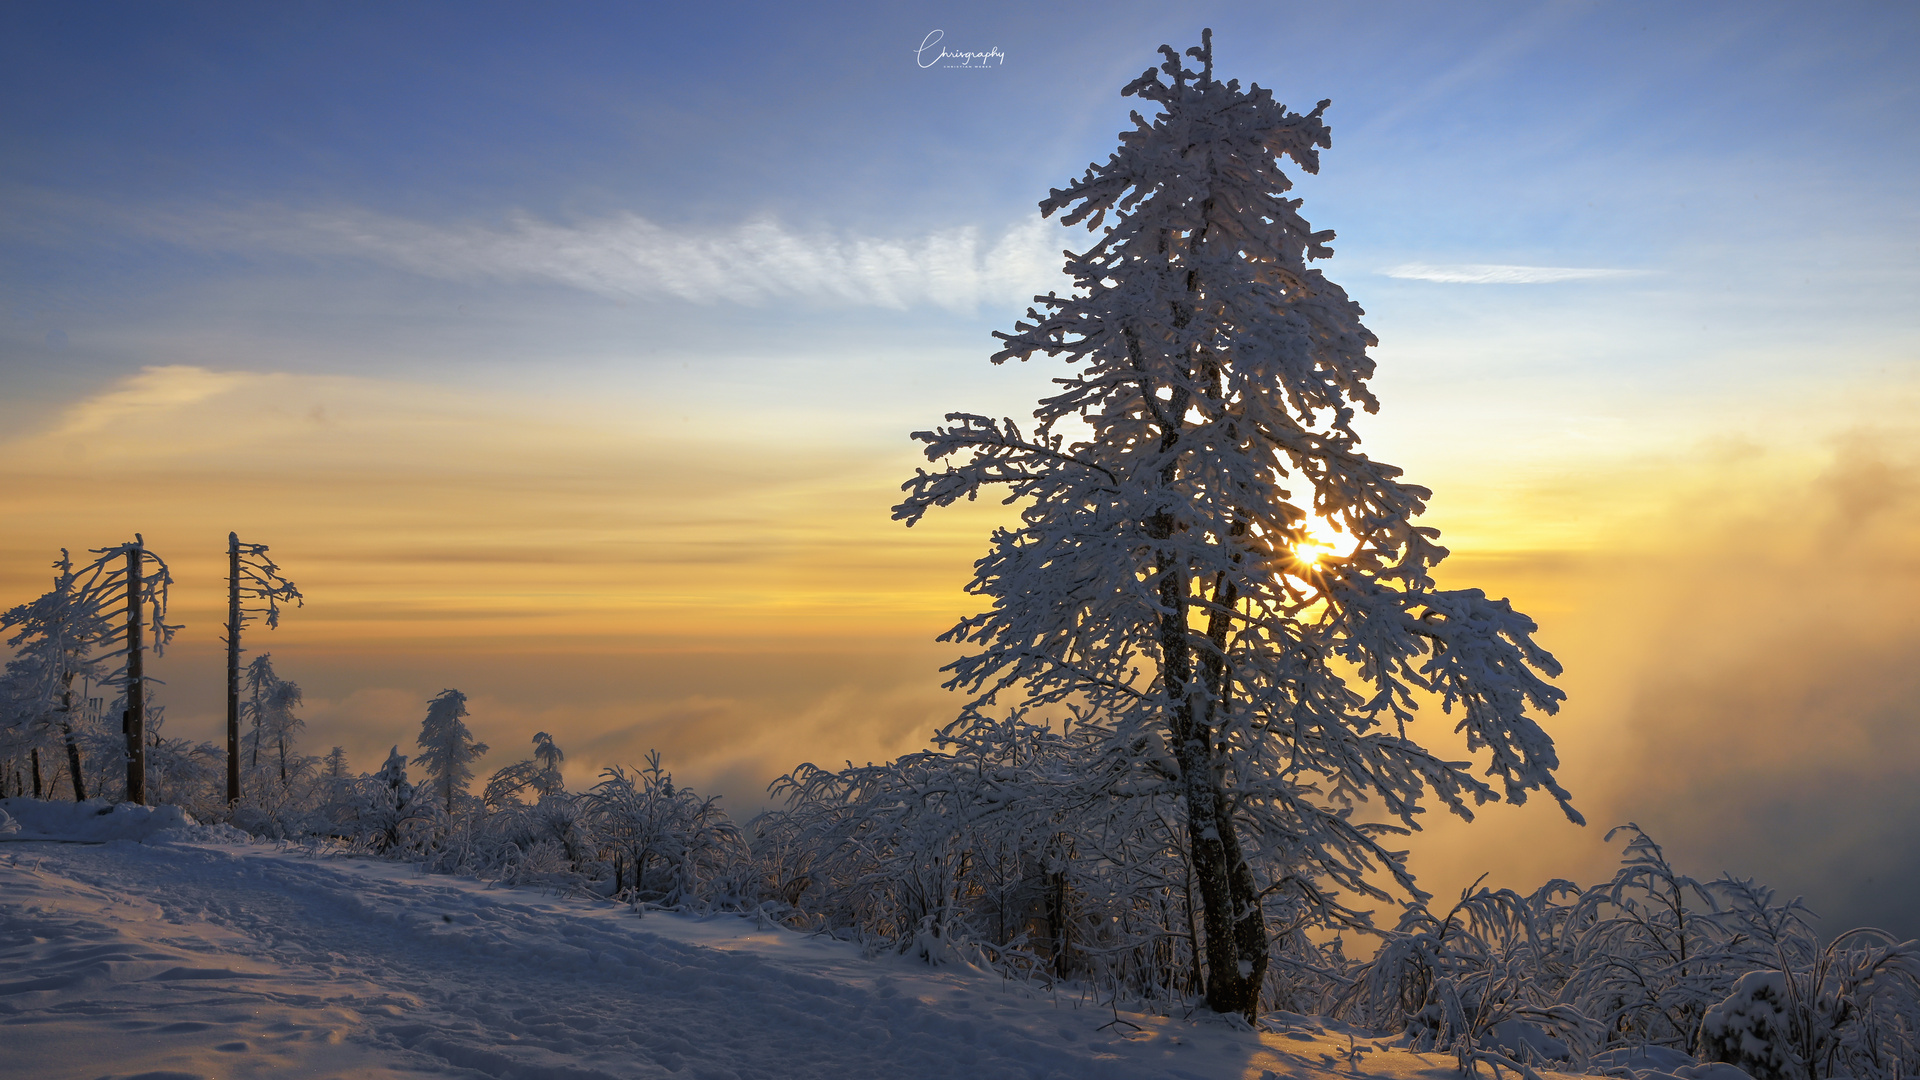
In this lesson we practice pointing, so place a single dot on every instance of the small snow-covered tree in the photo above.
(547, 780)
(380, 811)
(275, 728)
(1161, 576)
(281, 726)
(539, 774)
(447, 749)
(53, 639)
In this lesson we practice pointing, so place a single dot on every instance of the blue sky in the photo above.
(455, 192)
(619, 309)
(1750, 162)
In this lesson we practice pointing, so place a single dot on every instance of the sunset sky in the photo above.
(566, 355)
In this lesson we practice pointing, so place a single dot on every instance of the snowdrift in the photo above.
(97, 821)
(196, 960)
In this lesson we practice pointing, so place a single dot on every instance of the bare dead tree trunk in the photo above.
(73, 764)
(73, 745)
(1057, 920)
(233, 668)
(134, 722)
(34, 755)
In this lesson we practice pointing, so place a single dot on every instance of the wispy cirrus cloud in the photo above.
(627, 256)
(1500, 273)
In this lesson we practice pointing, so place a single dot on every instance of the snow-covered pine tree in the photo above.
(547, 780)
(1160, 578)
(447, 748)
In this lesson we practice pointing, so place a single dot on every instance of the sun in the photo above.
(1322, 542)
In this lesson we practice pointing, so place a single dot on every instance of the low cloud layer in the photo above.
(1743, 669)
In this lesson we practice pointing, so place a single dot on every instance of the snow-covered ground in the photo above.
(170, 957)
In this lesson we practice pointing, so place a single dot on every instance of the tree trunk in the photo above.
(34, 755)
(233, 668)
(73, 746)
(1057, 920)
(1236, 933)
(1193, 928)
(1236, 936)
(134, 722)
(73, 763)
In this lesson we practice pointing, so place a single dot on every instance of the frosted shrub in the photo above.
(1709, 970)
(381, 813)
(664, 844)
(542, 862)
(1848, 1008)
(1488, 971)
(1023, 847)
(1658, 949)
(183, 773)
(936, 850)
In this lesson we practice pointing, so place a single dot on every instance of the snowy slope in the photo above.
(172, 960)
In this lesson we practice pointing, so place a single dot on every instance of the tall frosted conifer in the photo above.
(1159, 584)
(447, 747)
